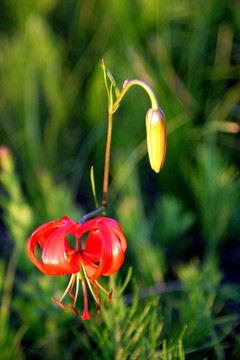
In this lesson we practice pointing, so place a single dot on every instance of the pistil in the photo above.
(85, 315)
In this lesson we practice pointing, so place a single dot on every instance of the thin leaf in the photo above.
(93, 186)
(126, 281)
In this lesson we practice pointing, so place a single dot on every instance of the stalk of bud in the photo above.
(156, 138)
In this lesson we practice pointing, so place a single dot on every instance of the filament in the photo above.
(72, 280)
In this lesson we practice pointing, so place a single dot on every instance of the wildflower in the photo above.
(103, 255)
(156, 138)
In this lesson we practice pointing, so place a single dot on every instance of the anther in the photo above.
(98, 306)
(109, 297)
(71, 294)
(59, 303)
(73, 310)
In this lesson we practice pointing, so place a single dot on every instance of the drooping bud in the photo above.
(156, 138)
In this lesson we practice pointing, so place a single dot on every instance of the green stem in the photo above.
(145, 86)
(107, 159)
(111, 110)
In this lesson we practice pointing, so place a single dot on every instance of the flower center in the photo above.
(93, 287)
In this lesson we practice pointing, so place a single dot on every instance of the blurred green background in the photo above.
(182, 225)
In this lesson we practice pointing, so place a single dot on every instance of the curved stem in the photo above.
(107, 159)
(91, 214)
(111, 110)
(145, 86)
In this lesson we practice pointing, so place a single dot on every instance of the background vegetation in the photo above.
(182, 226)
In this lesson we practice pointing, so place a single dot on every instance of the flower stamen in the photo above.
(77, 289)
(59, 303)
(73, 309)
(70, 290)
(101, 287)
(70, 284)
(71, 294)
(98, 306)
(109, 297)
(96, 283)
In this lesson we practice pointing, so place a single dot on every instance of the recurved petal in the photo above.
(40, 236)
(118, 231)
(31, 244)
(116, 244)
(112, 253)
(44, 231)
(117, 257)
(106, 258)
(57, 254)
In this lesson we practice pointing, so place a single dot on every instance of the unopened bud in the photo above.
(156, 138)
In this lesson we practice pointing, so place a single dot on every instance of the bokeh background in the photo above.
(177, 294)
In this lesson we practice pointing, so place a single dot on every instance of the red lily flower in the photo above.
(103, 254)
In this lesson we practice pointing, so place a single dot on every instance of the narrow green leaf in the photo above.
(93, 186)
(126, 281)
(105, 77)
(113, 82)
(107, 74)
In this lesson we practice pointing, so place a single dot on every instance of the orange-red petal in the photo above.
(105, 247)
(58, 257)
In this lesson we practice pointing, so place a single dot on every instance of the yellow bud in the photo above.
(156, 138)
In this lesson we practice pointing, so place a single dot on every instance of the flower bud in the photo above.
(156, 138)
